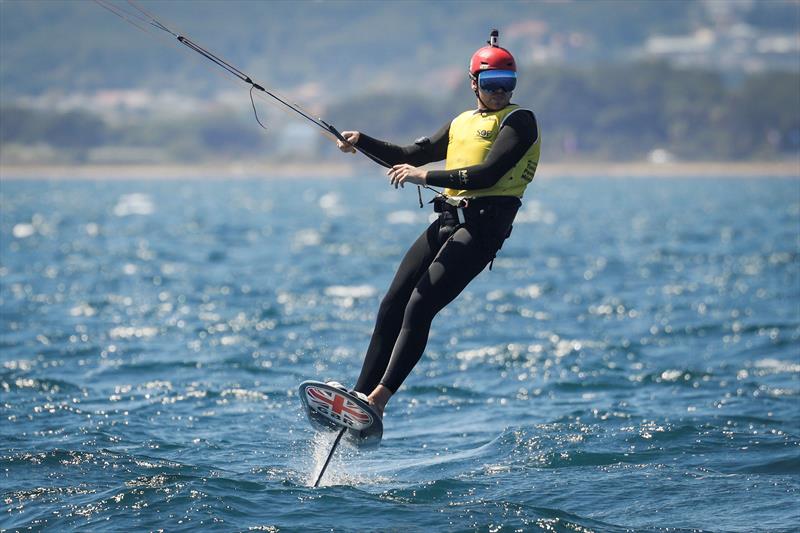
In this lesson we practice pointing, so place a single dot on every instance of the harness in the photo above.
(457, 204)
(465, 208)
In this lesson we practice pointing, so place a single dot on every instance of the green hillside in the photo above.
(395, 70)
(599, 113)
(75, 45)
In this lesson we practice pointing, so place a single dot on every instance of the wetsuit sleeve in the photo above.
(516, 136)
(423, 151)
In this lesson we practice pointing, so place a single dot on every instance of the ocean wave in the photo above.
(595, 379)
(786, 466)
(12, 382)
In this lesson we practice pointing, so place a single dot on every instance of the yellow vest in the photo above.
(472, 135)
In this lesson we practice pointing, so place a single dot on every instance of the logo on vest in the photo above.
(484, 134)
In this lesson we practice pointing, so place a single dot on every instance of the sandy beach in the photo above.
(271, 170)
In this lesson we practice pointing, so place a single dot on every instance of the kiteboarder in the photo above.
(491, 154)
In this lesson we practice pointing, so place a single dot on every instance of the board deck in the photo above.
(330, 408)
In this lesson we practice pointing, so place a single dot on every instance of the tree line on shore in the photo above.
(613, 113)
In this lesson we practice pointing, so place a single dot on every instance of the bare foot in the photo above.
(378, 399)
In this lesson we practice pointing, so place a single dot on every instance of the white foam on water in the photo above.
(23, 231)
(331, 203)
(402, 217)
(83, 309)
(777, 366)
(350, 291)
(123, 332)
(320, 448)
(346, 296)
(134, 204)
(533, 212)
(671, 375)
(92, 229)
(347, 466)
(531, 291)
(306, 237)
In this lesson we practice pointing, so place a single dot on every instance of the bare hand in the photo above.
(352, 138)
(399, 175)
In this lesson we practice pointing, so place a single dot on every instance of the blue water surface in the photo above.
(631, 362)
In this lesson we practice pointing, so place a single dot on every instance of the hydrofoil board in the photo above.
(332, 408)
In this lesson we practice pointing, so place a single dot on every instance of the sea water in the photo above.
(631, 362)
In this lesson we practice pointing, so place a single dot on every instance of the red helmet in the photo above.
(492, 57)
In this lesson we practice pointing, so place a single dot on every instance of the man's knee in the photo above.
(420, 309)
(391, 306)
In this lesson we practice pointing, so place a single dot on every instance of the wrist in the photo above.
(356, 138)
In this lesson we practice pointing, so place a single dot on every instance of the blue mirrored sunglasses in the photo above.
(491, 80)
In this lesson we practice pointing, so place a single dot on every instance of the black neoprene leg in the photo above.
(393, 306)
(461, 259)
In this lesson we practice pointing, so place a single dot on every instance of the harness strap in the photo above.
(462, 219)
(459, 204)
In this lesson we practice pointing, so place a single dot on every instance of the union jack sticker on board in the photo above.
(338, 407)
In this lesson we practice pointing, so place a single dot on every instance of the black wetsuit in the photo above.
(448, 255)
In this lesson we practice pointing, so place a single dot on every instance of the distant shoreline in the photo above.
(251, 170)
